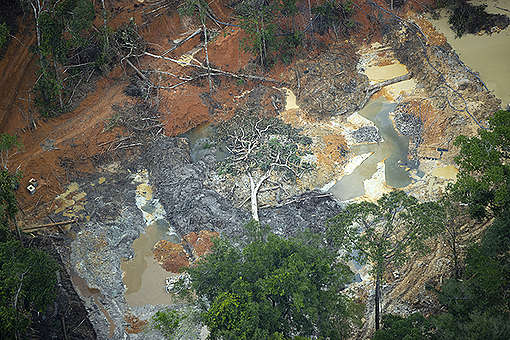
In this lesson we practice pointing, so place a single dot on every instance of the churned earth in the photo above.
(145, 209)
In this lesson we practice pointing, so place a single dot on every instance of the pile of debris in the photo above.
(329, 84)
(408, 124)
(367, 134)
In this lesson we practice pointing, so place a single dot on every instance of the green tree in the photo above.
(413, 327)
(167, 321)
(384, 234)
(475, 306)
(27, 283)
(64, 36)
(8, 203)
(258, 21)
(273, 288)
(261, 146)
(483, 181)
(7, 142)
(454, 219)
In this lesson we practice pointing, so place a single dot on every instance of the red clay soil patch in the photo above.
(135, 325)
(225, 50)
(70, 141)
(183, 109)
(171, 256)
(201, 243)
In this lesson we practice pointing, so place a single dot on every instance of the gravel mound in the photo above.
(366, 134)
(408, 124)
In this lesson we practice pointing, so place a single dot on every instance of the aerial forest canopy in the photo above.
(273, 288)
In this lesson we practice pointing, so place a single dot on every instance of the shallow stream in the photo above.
(392, 150)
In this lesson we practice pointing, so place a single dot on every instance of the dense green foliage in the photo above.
(484, 161)
(27, 284)
(8, 206)
(476, 301)
(273, 288)
(167, 321)
(384, 234)
(27, 276)
(414, 327)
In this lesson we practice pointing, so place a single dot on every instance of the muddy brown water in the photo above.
(143, 276)
(486, 54)
(392, 150)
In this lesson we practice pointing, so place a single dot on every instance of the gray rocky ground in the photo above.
(366, 134)
(100, 245)
(191, 204)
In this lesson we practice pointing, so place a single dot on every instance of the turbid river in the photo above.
(392, 150)
(486, 54)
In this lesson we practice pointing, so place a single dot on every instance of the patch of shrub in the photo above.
(167, 321)
(333, 14)
(4, 34)
(467, 18)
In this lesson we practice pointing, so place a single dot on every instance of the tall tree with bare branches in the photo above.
(260, 147)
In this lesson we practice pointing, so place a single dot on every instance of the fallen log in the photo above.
(225, 73)
(49, 225)
(503, 9)
(376, 87)
(136, 70)
(180, 42)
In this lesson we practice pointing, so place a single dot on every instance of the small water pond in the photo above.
(201, 139)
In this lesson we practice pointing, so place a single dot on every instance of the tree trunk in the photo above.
(106, 40)
(455, 257)
(254, 189)
(59, 82)
(377, 300)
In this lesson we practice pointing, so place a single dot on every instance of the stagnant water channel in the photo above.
(392, 151)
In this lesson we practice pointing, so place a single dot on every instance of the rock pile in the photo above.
(412, 126)
(367, 134)
(408, 124)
